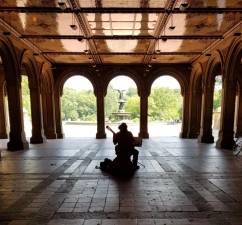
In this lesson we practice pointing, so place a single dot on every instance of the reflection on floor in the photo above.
(183, 183)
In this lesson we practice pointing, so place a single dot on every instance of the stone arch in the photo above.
(58, 89)
(213, 64)
(65, 75)
(233, 55)
(232, 71)
(170, 72)
(9, 56)
(11, 66)
(29, 63)
(184, 85)
(125, 72)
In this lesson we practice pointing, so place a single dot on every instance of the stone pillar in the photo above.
(185, 115)
(37, 117)
(100, 115)
(3, 127)
(226, 132)
(239, 115)
(17, 139)
(143, 133)
(49, 114)
(59, 129)
(205, 135)
(194, 114)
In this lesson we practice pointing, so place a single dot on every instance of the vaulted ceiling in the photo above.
(120, 31)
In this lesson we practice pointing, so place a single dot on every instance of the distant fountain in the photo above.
(121, 114)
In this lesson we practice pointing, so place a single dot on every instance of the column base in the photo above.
(37, 140)
(101, 135)
(51, 135)
(182, 135)
(192, 135)
(206, 139)
(17, 145)
(60, 135)
(144, 135)
(225, 141)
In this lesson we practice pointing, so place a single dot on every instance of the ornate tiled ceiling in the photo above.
(121, 31)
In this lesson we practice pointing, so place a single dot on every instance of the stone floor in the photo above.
(182, 183)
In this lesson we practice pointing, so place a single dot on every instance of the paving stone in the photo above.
(183, 182)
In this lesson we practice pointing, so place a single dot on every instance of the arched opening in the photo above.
(78, 108)
(26, 104)
(122, 104)
(165, 107)
(4, 118)
(238, 101)
(217, 99)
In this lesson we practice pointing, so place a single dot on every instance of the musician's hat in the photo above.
(122, 126)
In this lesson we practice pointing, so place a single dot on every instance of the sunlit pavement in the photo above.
(155, 129)
(182, 182)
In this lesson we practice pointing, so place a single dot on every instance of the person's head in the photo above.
(123, 127)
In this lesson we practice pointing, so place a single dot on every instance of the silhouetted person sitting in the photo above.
(124, 148)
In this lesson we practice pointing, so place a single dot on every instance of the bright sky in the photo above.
(120, 82)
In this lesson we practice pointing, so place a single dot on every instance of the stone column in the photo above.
(3, 127)
(239, 115)
(185, 114)
(17, 139)
(37, 116)
(49, 114)
(194, 114)
(100, 115)
(144, 115)
(59, 129)
(205, 135)
(226, 132)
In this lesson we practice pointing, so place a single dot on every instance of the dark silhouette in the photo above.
(124, 147)
(125, 142)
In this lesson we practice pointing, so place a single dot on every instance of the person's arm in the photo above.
(115, 139)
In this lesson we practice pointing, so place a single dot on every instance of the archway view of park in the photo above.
(165, 107)
(122, 104)
(78, 106)
(217, 96)
(26, 105)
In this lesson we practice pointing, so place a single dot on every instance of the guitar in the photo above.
(110, 129)
(137, 140)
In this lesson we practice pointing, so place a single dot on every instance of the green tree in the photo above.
(165, 104)
(111, 102)
(133, 106)
(78, 105)
(217, 97)
(131, 92)
(25, 94)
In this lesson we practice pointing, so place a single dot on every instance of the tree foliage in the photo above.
(25, 94)
(217, 97)
(111, 102)
(78, 105)
(165, 104)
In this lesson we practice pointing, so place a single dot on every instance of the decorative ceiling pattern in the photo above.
(121, 31)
